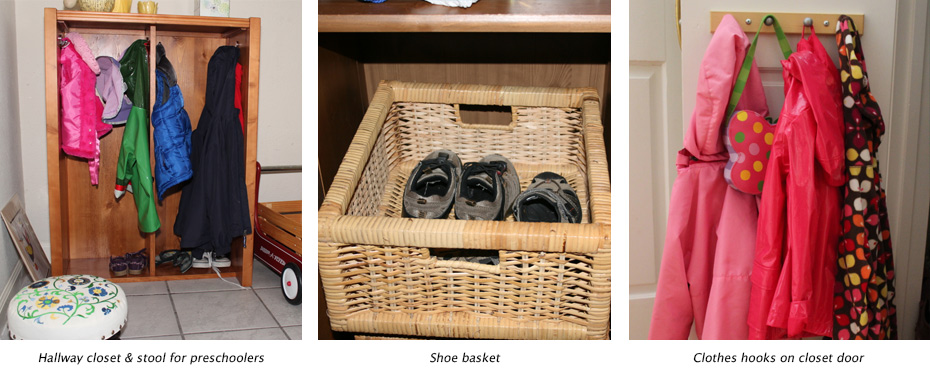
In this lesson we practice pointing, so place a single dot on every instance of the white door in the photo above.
(895, 42)
(655, 138)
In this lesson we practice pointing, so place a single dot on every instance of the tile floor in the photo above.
(211, 309)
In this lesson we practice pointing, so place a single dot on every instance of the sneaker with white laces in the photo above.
(221, 261)
(205, 260)
(487, 189)
(431, 187)
(549, 198)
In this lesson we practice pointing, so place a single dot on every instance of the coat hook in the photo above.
(769, 21)
(749, 21)
(237, 44)
(826, 23)
(808, 21)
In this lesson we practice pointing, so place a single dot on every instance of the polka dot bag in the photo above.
(748, 136)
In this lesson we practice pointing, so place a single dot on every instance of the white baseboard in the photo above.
(11, 286)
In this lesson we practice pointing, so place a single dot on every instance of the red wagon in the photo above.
(278, 241)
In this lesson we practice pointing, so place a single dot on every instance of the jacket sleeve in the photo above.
(126, 164)
(673, 313)
(822, 90)
(770, 240)
(142, 171)
(728, 302)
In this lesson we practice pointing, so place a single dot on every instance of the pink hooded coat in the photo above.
(799, 218)
(711, 233)
(81, 110)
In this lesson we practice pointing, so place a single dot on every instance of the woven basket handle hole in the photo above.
(497, 117)
(473, 259)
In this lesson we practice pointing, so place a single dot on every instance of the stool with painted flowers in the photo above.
(69, 307)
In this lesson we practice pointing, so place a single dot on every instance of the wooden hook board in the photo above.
(791, 23)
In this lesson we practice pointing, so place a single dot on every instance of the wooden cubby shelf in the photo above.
(87, 224)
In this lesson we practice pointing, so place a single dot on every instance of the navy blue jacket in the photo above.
(214, 207)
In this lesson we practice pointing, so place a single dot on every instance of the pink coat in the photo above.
(81, 110)
(799, 221)
(711, 232)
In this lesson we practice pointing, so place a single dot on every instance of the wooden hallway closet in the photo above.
(87, 224)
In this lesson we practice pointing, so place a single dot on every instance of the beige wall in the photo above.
(12, 275)
(279, 111)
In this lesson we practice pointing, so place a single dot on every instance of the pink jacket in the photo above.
(711, 233)
(799, 219)
(81, 110)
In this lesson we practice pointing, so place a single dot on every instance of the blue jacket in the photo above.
(172, 128)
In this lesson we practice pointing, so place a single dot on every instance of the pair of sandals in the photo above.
(182, 259)
(130, 263)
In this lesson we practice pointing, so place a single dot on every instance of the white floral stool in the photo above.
(68, 307)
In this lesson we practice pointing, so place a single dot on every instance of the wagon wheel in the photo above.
(291, 284)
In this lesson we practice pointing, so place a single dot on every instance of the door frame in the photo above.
(906, 172)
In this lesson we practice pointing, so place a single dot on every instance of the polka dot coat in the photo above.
(863, 300)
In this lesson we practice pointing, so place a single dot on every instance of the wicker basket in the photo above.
(553, 280)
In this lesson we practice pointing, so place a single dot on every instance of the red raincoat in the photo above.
(799, 219)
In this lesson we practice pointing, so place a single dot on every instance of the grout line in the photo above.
(145, 337)
(212, 290)
(174, 308)
(289, 336)
(206, 291)
(237, 330)
(269, 310)
(221, 331)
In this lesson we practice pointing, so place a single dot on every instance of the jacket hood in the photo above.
(821, 88)
(221, 84)
(164, 66)
(110, 88)
(134, 67)
(719, 68)
(84, 51)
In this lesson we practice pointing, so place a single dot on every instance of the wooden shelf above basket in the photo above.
(582, 16)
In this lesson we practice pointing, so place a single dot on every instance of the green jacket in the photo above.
(133, 171)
